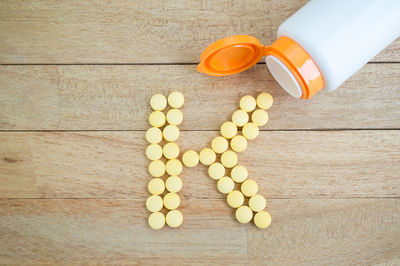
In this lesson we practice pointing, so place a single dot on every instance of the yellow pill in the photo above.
(225, 185)
(153, 135)
(235, 199)
(158, 102)
(250, 131)
(174, 218)
(154, 203)
(249, 188)
(173, 167)
(219, 144)
(174, 117)
(156, 186)
(262, 219)
(171, 150)
(229, 159)
(257, 203)
(176, 99)
(173, 184)
(243, 214)
(247, 103)
(154, 152)
(228, 130)
(240, 118)
(157, 168)
(171, 201)
(238, 143)
(259, 117)
(190, 158)
(171, 133)
(156, 220)
(239, 173)
(264, 100)
(157, 119)
(216, 171)
(207, 156)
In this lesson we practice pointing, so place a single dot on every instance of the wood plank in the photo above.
(116, 97)
(287, 164)
(135, 31)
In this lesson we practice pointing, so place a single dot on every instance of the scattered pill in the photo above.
(157, 119)
(264, 100)
(247, 103)
(207, 156)
(216, 171)
(156, 186)
(257, 203)
(239, 173)
(157, 168)
(173, 167)
(153, 135)
(229, 159)
(243, 214)
(154, 203)
(173, 184)
(219, 144)
(171, 150)
(154, 152)
(249, 188)
(171, 133)
(240, 117)
(259, 117)
(171, 201)
(176, 99)
(190, 158)
(228, 130)
(174, 117)
(262, 219)
(235, 199)
(225, 185)
(174, 218)
(250, 131)
(238, 143)
(156, 220)
(158, 102)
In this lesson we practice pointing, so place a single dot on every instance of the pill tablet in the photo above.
(171, 201)
(262, 219)
(156, 186)
(207, 156)
(174, 218)
(235, 199)
(176, 99)
(173, 167)
(158, 102)
(219, 144)
(264, 100)
(247, 103)
(173, 184)
(157, 119)
(157, 168)
(171, 133)
(154, 152)
(171, 150)
(225, 185)
(153, 135)
(259, 117)
(249, 188)
(228, 130)
(238, 143)
(174, 117)
(257, 203)
(216, 171)
(240, 117)
(243, 214)
(156, 220)
(239, 173)
(250, 131)
(229, 159)
(190, 158)
(154, 203)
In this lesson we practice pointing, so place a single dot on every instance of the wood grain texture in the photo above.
(117, 97)
(135, 31)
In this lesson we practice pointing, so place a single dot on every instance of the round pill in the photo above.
(249, 188)
(264, 100)
(171, 150)
(247, 103)
(240, 117)
(157, 168)
(156, 220)
(238, 143)
(153, 135)
(216, 171)
(173, 184)
(156, 186)
(235, 199)
(174, 117)
(174, 218)
(262, 219)
(228, 130)
(229, 159)
(250, 131)
(259, 117)
(239, 173)
(171, 201)
(158, 102)
(171, 133)
(154, 203)
(257, 203)
(207, 156)
(157, 119)
(154, 152)
(219, 144)
(190, 158)
(243, 214)
(176, 99)
(173, 167)
(225, 185)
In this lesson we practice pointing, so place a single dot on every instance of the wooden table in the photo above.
(75, 83)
